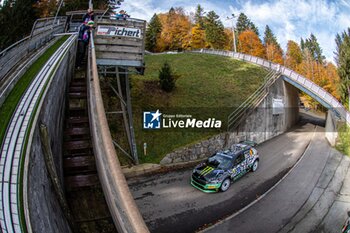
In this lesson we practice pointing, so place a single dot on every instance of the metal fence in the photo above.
(252, 102)
(296, 79)
(43, 31)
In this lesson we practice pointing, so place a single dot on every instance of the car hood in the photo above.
(207, 172)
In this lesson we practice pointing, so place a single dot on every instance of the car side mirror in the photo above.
(349, 213)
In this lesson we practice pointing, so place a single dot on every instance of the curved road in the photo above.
(169, 203)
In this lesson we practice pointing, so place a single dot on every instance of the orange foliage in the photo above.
(229, 39)
(176, 31)
(293, 56)
(197, 37)
(46, 8)
(324, 75)
(274, 53)
(250, 43)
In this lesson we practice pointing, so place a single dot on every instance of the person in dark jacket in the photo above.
(83, 41)
(89, 16)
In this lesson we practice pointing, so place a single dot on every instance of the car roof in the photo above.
(235, 150)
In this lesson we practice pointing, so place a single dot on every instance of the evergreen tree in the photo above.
(243, 24)
(343, 62)
(198, 16)
(274, 51)
(214, 31)
(16, 21)
(269, 37)
(152, 33)
(312, 45)
(166, 78)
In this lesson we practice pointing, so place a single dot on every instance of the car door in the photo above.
(249, 157)
(239, 166)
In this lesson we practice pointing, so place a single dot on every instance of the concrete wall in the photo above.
(44, 209)
(331, 128)
(260, 126)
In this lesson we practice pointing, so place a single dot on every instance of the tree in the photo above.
(166, 78)
(214, 31)
(343, 61)
(152, 33)
(269, 37)
(16, 21)
(243, 24)
(274, 51)
(199, 17)
(176, 30)
(314, 48)
(250, 43)
(294, 56)
(198, 37)
(46, 8)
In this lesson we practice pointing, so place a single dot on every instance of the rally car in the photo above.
(217, 172)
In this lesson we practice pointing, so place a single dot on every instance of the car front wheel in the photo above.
(255, 165)
(225, 185)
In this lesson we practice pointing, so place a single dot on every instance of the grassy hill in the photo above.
(207, 86)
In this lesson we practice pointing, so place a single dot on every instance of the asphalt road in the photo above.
(169, 203)
(276, 209)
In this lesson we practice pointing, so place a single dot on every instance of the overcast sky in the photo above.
(288, 19)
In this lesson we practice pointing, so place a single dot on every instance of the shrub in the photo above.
(166, 78)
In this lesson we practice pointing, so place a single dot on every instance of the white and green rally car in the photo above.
(217, 172)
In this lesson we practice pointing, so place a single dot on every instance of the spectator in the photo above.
(83, 41)
(88, 16)
(122, 15)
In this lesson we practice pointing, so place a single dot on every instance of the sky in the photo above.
(288, 19)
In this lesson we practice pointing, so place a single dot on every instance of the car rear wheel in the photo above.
(255, 165)
(225, 185)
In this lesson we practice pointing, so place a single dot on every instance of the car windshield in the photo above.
(220, 161)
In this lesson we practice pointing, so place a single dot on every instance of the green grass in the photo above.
(207, 86)
(9, 106)
(343, 144)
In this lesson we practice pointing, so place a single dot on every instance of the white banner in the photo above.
(118, 31)
(277, 106)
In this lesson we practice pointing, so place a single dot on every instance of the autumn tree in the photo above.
(229, 39)
(244, 23)
(294, 56)
(214, 31)
(152, 33)
(197, 37)
(343, 61)
(46, 8)
(250, 43)
(273, 51)
(176, 30)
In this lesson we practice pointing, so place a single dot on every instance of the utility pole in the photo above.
(233, 32)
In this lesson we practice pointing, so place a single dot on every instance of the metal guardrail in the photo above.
(294, 78)
(42, 31)
(15, 145)
(252, 102)
(121, 204)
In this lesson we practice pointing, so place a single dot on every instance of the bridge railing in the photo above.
(121, 204)
(43, 31)
(301, 82)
